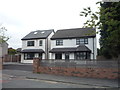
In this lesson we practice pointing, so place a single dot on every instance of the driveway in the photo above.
(18, 66)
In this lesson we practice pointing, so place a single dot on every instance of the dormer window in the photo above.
(30, 43)
(81, 41)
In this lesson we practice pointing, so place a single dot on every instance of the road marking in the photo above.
(43, 81)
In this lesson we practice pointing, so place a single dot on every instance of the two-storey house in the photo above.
(77, 43)
(36, 44)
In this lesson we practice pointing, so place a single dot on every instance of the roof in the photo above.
(80, 48)
(18, 49)
(60, 50)
(74, 33)
(39, 34)
(32, 51)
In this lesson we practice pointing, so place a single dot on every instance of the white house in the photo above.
(36, 44)
(76, 43)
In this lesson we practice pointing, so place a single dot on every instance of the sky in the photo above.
(20, 17)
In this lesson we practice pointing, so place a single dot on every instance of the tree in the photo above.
(107, 19)
(3, 38)
(11, 51)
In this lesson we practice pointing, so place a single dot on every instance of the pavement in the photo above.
(103, 83)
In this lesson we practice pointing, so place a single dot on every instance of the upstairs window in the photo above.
(30, 43)
(40, 43)
(81, 41)
(59, 42)
(86, 40)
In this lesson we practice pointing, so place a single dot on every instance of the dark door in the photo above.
(66, 56)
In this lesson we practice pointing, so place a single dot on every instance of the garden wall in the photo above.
(89, 70)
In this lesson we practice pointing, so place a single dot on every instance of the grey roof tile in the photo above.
(74, 33)
(80, 48)
(60, 50)
(32, 50)
(39, 34)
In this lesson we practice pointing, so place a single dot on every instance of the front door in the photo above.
(66, 56)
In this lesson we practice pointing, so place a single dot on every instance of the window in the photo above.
(29, 56)
(82, 41)
(86, 40)
(58, 56)
(40, 43)
(30, 43)
(82, 55)
(59, 42)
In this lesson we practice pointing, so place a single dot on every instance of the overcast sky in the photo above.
(23, 16)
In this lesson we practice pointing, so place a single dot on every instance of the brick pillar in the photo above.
(36, 64)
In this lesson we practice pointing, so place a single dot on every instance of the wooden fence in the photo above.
(11, 58)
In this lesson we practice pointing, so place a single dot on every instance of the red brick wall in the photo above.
(81, 72)
(109, 73)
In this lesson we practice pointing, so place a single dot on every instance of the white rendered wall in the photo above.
(36, 44)
(72, 43)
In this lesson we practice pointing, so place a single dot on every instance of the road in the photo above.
(21, 76)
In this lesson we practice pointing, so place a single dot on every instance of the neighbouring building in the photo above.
(18, 50)
(36, 44)
(3, 49)
(76, 43)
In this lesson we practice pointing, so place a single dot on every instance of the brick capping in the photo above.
(106, 72)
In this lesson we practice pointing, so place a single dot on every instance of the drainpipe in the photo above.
(46, 48)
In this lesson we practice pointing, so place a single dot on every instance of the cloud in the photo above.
(23, 16)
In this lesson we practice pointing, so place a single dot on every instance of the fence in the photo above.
(79, 63)
(91, 69)
(11, 58)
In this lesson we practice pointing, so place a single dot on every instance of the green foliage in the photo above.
(107, 19)
(3, 38)
(110, 29)
(12, 51)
